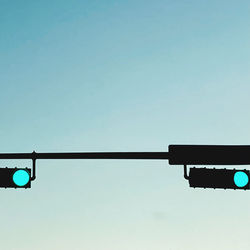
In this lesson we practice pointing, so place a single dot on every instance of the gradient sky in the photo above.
(122, 76)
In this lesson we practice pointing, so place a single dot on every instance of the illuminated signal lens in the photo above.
(241, 179)
(21, 177)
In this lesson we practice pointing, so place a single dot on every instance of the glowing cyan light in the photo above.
(21, 177)
(241, 179)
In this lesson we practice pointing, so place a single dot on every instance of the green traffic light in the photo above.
(241, 179)
(21, 177)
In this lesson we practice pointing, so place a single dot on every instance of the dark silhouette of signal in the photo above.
(177, 155)
(209, 154)
(219, 178)
(15, 177)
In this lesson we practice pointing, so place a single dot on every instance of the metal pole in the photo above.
(88, 155)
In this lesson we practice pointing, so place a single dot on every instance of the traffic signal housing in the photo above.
(219, 178)
(15, 177)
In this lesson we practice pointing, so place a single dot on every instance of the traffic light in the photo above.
(15, 177)
(219, 178)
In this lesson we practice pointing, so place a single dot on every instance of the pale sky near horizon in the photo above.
(122, 76)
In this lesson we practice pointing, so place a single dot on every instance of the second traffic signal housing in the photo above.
(219, 178)
(15, 177)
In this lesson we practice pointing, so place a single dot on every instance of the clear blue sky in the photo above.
(122, 76)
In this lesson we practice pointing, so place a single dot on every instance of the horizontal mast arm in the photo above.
(88, 155)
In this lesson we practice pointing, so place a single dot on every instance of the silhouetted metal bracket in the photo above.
(185, 173)
(33, 177)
